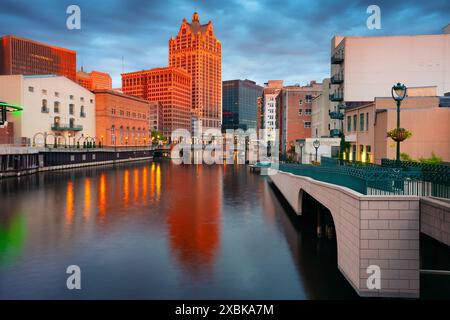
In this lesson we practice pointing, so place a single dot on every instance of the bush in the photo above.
(433, 160)
(406, 157)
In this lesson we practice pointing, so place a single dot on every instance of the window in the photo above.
(81, 99)
(71, 122)
(367, 121)
(308, 112)
(71, 109)
(349, 123)
(300, 111)
(307, 124)
(300, 102)
(71, 97)
(44, 92)
(31, 89)
(308, 98)
(56, 107)
(354, 122)
(44, 108)
(91, 101)
(82, 113)
(56, 94)
(361, 122)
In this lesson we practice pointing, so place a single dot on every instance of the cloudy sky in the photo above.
(260, 39)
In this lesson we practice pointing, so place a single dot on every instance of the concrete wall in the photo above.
(370, 230)
(373, 64)
(435, 219)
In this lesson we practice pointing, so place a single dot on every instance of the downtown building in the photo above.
(240, 104)
(28, 57)
(269, 119)
(54, 108)
(171, 88)
(94, 80)
(197, 50)
(294, 113)
(423, 113)
(121, 120)
(365, 68)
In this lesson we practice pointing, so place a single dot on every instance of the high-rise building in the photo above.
(239, 104)
(94, 80)
(28, 57)
(197, 50)
(171, 87)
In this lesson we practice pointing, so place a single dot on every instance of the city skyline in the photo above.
(252, 48)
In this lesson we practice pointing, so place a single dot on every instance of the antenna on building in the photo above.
(123, 65)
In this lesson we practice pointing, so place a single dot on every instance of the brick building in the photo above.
(121, 120)
(294, 113)
(171, 87)
(94, 80)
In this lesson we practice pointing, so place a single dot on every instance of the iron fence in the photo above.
(374, 179)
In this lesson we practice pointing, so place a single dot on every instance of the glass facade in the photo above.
(239, 104)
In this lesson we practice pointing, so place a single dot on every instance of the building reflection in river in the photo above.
(193, 217)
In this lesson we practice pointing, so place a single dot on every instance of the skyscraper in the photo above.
(240, 104)
(28, 57)
(197, 50)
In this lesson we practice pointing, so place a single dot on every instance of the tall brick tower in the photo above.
(197, 50)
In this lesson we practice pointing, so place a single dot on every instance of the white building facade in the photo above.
(53, 107)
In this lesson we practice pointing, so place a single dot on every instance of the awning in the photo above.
(10, 107)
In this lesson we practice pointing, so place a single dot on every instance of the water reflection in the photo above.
(69, 202)
(102, 197)
(12, 238)
(193, 217)
(154, 230)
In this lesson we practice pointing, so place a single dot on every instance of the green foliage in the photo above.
(434, 159)
(406, 157)
(156, 137)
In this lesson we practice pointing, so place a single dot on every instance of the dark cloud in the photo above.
(261, 40)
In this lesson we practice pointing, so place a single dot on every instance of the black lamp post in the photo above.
(398, 92)
(316, 145)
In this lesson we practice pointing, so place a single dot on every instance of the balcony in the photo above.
(66, 127)
(335, 133)
(337, 59)
(336, 115)
(337, 79)
(336, 97)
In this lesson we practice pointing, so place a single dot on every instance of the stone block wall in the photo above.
(435, 219)
(370, 230)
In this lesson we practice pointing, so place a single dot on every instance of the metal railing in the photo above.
(370, 179)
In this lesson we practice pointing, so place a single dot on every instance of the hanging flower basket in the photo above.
(399, 135)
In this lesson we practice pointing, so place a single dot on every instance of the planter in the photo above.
(399, 135)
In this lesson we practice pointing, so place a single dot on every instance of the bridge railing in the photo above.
(374, 180)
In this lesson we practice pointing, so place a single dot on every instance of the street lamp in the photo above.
(316, 145)
(398, 92)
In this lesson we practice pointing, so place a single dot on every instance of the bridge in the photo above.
(374, 213)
